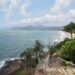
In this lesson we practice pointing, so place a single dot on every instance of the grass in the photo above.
(21, 72)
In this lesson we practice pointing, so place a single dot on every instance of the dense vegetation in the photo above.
(67, 51)
(56, 46)
(66, 48)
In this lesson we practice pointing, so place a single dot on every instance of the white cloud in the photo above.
(47, 19)
(44, 20)
(63, 2)
(20, 7)
(24, 11)
(59, 4)
(2, 2)
(72, 13)
(11, 7)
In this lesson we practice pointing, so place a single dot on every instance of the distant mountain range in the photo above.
(37, 28)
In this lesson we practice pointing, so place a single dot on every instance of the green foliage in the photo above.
(69, 28)
(33, 52)
(31, 56)
(67, 51)
(38, 49)
(52, 49)
(21, 72)
(67, 63)
(56, 47)
(27, 53)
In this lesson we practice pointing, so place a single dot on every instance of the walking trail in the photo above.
(54, 67)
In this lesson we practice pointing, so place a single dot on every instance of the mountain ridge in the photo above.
(37, 28)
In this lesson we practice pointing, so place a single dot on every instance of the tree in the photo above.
(70, 28)
(28, 64)
(31, 56)
(38, 49)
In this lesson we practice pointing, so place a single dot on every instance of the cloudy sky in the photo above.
(36, 12)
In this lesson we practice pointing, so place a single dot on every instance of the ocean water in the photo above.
(14, 42)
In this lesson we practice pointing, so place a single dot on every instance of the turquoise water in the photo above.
(13, 42)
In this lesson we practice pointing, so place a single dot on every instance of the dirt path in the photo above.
(54, 68)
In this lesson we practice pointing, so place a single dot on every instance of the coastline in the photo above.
(68, 35)
(11, 66)
(7, 63)
(64, 34)
(2, 62)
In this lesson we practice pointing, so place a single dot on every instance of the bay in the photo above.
(14, 42)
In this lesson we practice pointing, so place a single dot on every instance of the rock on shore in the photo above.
(11, 67)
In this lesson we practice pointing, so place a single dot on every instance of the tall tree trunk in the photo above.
(71, 35)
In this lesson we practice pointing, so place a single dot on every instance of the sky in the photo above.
(36, 12)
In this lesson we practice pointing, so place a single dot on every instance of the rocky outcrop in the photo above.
(11, 67)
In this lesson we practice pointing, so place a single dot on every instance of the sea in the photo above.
(14, 42)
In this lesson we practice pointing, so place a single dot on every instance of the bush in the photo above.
(21, 72)
(32, 56)
(56, 47)
(67, 51)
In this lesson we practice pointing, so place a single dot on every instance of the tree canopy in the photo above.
(70, 28)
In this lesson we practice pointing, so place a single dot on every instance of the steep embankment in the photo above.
(55, 67)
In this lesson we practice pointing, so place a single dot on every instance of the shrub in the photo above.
(67, 51)
(31, 56)
(56, 46)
